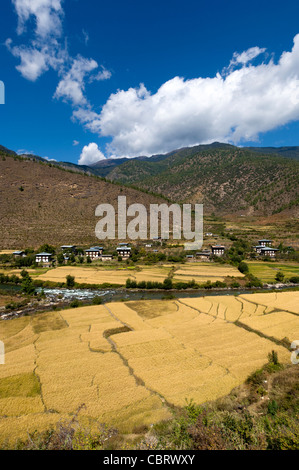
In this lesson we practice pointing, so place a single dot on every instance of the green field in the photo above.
(266, 271)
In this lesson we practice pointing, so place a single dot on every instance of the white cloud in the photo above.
(25, 152)
(71, 87)
(50, 159)
(90, 154)
(234, 107)
(76, 142)
(47, 14)
(46, 50)
(85, 36)
(246, 56)
(104, 74)
(33, 62)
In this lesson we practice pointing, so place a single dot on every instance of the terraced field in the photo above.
(202, 272)
(93, 275)
(127, 362)
(266, 272)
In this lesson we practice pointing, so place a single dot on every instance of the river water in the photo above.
(109, 295)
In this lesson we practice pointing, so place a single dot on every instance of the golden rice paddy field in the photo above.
(112, 276)
(200, 272)
(127, 362)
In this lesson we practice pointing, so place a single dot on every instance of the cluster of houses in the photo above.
(264, 248)
(93, 253)
(205, 255)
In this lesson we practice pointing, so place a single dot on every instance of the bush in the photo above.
(243, 267)
(97, 300)
(279, 276)
(70, 281)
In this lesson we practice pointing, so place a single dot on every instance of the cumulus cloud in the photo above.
(33, 61)
(232, 107)
(90, 154)
(71, 87)
(47, 15)
(47, 50)
(103, 74)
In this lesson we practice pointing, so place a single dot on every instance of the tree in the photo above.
(70, 281)
(27, 284)
(279, 276)
(47, 249)
(243, 267)
(167, 283)
(60, 258)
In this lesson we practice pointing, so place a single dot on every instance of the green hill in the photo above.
(226, 179)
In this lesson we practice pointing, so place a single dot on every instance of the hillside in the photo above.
(288, 152)
(41, 203)
(226, 180)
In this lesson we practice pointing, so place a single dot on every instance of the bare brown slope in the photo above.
(40, 203)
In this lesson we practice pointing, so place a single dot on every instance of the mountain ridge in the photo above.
(225, 178)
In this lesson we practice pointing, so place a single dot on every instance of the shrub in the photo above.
(97, 300)
(70, 281)
(243, 267)
(279, 276)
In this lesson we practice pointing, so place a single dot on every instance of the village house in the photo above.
(69, 249)
(258, 249)
(265, 242)
(16, 254)
(218, 250)
(203, 255)
(107, 257)
(269, 251)
(190, 257)
(94, 252)
(124, 251)
(44, 258)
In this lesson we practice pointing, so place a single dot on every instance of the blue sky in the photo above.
(86, 79)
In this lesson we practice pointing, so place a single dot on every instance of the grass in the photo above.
(266, 272)
(22, 385)
(47, 321)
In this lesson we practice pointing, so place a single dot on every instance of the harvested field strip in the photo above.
(285, 301)
(282, 325)
(284, 344)
(95, 275)
(153, 309)
(128, 361)
(116, 331)
(13, 327)
(48, 321)
(124, 313)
